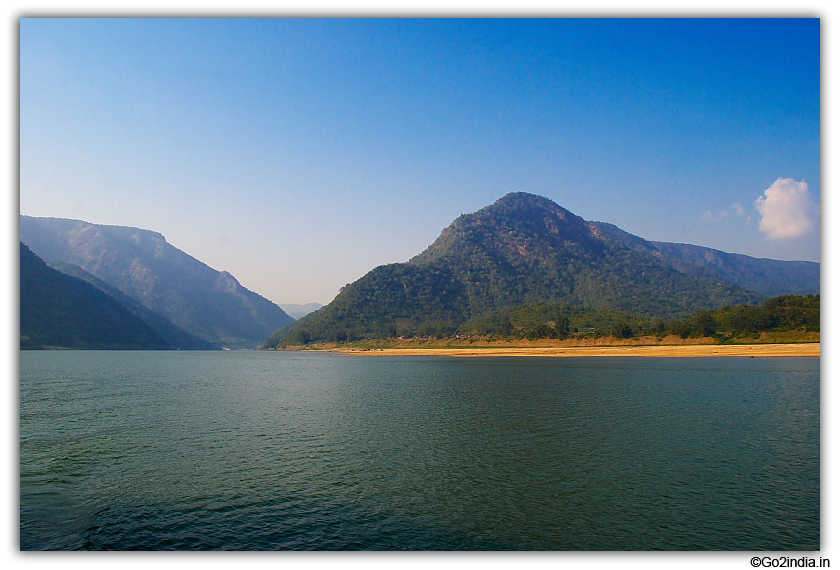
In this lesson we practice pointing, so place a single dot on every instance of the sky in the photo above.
(299, 158)
(299, 154)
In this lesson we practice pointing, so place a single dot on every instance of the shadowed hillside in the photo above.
(63, 311)
(206, 303)
(176, 337)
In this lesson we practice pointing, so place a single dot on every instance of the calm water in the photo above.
(244, 450)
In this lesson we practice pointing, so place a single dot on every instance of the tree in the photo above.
(621, 330)
(561, 326)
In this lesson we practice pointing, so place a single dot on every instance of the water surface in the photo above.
(244, 450)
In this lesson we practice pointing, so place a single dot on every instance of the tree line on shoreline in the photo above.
(560, 321)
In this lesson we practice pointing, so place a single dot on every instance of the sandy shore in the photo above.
(667, 351)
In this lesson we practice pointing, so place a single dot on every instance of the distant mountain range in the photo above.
(205, 308)
(58, 310)
(526, 250)
(299, 311)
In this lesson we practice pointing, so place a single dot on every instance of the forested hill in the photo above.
(522, 250)
(769, 277)
(58, 310)
(206, 303)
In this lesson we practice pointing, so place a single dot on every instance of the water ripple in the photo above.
(259, 451)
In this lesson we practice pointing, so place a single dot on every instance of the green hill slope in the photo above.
(522, 250)
(196, 298)
(63, 311)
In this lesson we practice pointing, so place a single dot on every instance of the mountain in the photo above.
(299, 311)
(63, 311)
(522, 250)
(196, 298)
(768, 277)
(175, 336)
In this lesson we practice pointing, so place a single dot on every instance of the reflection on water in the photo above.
(204, 450)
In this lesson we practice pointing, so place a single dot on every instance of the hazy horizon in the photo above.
(299, 154)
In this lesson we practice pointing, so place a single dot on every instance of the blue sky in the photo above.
(299, 154)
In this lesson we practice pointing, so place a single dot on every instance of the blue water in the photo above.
(254, 451)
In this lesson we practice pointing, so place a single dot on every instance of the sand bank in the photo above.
(666, 351)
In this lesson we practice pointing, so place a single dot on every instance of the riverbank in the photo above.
(659, 351)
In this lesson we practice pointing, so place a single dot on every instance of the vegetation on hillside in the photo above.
(785, 314)
(175, 336)
(767, 277)
(58, 310)
(779, 314)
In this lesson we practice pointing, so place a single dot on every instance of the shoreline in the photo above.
(647, 351)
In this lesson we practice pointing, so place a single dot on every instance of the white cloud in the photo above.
(786, 210)
(710, 217)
